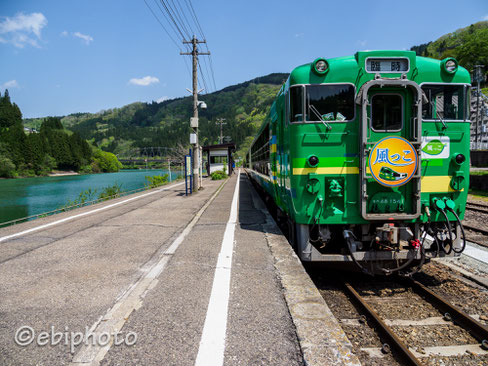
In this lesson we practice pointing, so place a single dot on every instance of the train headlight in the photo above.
(320, 66)
(449, 65)
(313, 161)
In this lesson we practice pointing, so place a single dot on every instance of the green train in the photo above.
(366, 159)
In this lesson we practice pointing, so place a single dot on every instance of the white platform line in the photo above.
(116, 317)
(212, 343)
(475, 253)
(37, 228)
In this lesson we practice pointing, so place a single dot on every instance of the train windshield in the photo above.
(334, 102)
(445, 102)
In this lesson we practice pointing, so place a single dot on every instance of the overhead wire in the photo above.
(179, 24)
(187, 30)
(166, 31)
(170, 15)
(164, 28)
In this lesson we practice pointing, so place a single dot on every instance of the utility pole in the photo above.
(478, 76)
(196, 148)
(221, 121)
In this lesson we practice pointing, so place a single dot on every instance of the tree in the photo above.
(9, 114)
(51, 123)
(474, 50)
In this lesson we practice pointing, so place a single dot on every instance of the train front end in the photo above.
(371, 159)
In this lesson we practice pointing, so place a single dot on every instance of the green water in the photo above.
(30, 196)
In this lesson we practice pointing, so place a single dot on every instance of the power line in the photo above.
(194, 15)
(166, 31)
(179, 18)
(168, 20)
(188, 23)
(164, 28)
(179, 23)
(212, 70)
(203, 78)
(172, 19)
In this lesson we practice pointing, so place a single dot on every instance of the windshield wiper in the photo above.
(312, 108)
(438, 117)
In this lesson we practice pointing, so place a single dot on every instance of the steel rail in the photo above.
(478, 330)
(477, 208)
(385, 330)
(468, 240)
(477, 205)
(477, 229)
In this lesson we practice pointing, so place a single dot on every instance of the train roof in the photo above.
(352, 69)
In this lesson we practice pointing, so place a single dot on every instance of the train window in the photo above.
(296, 104)
(333, 102)
(386, 112)
(445, 102)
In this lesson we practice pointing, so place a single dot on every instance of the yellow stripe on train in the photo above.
(429, 184)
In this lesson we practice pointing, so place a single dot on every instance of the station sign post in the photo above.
(188, 173)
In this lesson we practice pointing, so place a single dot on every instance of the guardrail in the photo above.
(79, 205)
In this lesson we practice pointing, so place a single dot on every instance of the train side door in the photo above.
(391, 180)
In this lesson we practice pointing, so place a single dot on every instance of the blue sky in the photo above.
(61, 57)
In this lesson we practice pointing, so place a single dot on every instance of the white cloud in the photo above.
(485, 17)
(162, 99)
(10, 84)
(22, 29)
(85, 37)
(64, 33)
(145, 81)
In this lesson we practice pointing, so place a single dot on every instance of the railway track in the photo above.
(400, 321)
(476, 229)
(477, 207)
(476, 214)
(451, 314)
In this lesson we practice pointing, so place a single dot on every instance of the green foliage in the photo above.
(105, 162)
(7, 168)
(156, 181)
(468, 45)
(110, 192)
(84, 197)
(478, 172)
(51, 123)
(89, 196)
(166, 124)
(10, 114)
(218, 175)
(38, 153)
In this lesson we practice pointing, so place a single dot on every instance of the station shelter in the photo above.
(219, 157)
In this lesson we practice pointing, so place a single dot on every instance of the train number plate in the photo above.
(386, 65)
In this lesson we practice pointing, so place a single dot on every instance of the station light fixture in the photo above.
(449, 65)
(320, 66)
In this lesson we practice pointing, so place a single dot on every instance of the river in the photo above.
(31, 196)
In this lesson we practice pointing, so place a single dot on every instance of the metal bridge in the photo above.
(156, 154)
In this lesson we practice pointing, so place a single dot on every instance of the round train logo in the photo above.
(393, 161)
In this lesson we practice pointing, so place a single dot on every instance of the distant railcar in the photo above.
(365, 158)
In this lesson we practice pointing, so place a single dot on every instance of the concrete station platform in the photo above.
(158, 278)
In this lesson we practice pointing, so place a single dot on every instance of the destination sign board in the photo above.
(386, 65)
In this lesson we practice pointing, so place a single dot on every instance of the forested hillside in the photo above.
(468, 45)
(244, 106)
(51, 147)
